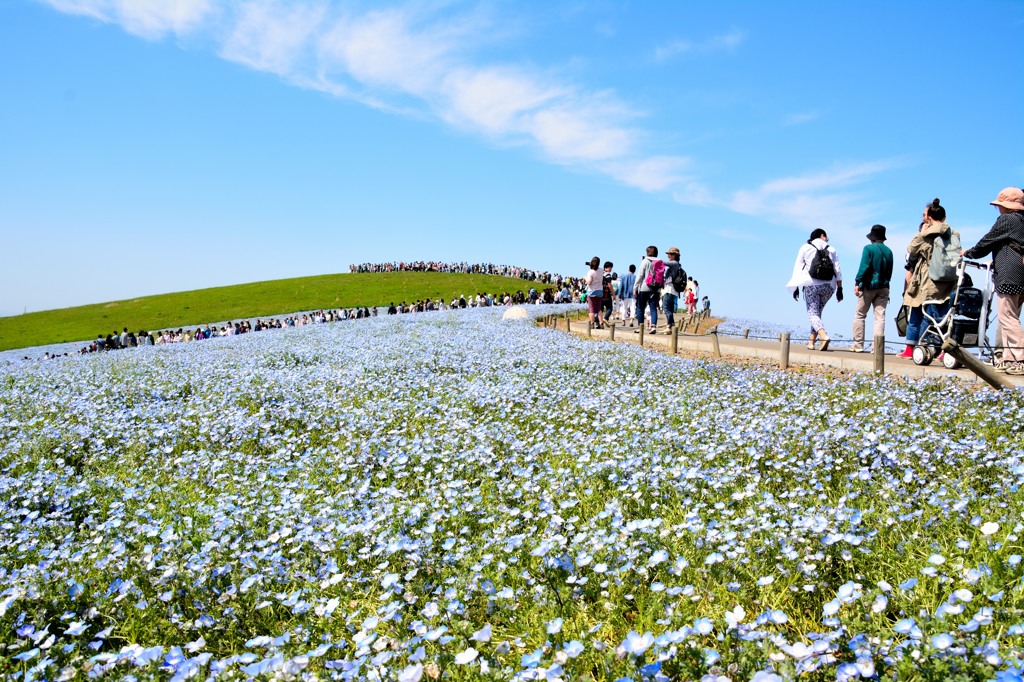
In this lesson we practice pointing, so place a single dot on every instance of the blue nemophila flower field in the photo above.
(451, 494)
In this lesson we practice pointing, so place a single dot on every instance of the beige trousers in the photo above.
(877, 298)
(1008, 307)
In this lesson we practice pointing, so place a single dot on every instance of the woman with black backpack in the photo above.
(817, 271)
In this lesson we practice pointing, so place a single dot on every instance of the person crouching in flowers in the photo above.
(820, 277)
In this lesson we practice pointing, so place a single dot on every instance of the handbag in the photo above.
(902, 317)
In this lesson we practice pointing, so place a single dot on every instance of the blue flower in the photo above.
(636, 643)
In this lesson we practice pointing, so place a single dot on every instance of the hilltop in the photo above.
(244, 301)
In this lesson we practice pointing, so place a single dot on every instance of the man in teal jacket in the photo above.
(871, 285)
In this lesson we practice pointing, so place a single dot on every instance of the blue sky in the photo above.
(150, 147)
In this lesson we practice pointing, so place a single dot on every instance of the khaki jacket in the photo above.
(921, 287)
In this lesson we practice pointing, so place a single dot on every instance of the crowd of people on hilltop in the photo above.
(931, 276)
(551, 288)
(129, 339)
(514, 271)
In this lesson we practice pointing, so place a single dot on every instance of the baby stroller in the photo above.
(965, 321)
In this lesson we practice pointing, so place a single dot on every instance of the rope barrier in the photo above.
(893, 345)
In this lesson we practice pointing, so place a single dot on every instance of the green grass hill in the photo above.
(244, 301)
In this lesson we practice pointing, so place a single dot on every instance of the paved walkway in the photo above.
(770, 352)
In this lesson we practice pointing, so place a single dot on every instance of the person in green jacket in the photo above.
(871, 285)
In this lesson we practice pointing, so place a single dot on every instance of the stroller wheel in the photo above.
(922, 355)
(949, 362)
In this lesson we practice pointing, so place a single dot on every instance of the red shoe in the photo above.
(907, 353)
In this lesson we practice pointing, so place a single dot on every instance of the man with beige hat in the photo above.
(1005, 241)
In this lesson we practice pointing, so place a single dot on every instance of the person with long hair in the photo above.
(595, 293)
(921, 287)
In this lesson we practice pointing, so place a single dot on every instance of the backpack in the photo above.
(656, 275)
(679, 279)
(821, 265)
(945, 257)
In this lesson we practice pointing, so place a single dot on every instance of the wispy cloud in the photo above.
(418, 59)
(736, 235)
(801, 118)
(837, 177)
(272, 38)
(652, 174)
(150, 20)
(828, 199)
(726, 41)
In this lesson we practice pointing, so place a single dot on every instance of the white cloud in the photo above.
(495, 100)
(694, 193)
(397, 49)
(825, 199)
(150, 20)
(272, 37)
(651, 174)
(838, 177)
(574, 132)
(419, 59)
(727, 41)
(736, 235)
(801, 118)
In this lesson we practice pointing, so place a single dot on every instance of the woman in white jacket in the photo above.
(817, 291)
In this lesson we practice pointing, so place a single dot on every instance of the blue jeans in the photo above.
(648, 300)
(916, 323)
(668, 304)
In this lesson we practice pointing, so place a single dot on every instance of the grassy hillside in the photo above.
(243, 301)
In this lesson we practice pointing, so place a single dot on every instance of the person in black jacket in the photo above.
(1005, 241)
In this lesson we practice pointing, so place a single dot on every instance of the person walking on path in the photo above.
(1005, 241)
(921, 286)
(671, 294)
(817, 270)
(608, 290)
(871, 286)
(690, 296)
(650, 279)
(595, 292)
(627, 297)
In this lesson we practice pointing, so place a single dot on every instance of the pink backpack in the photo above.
(656, 275)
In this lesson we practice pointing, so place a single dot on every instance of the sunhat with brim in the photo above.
(673, 250)
(877, 233)
(1011, 198)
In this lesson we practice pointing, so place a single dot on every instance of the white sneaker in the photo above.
(857, 349)
(1015, 368)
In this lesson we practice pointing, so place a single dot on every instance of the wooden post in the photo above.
(611, 332)
(746, 333)
(590, 328)
(641, 333)
(675, 340)
(714, 342)
(784, 351)
(879, 351)
(972, 363)
(696, 325)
